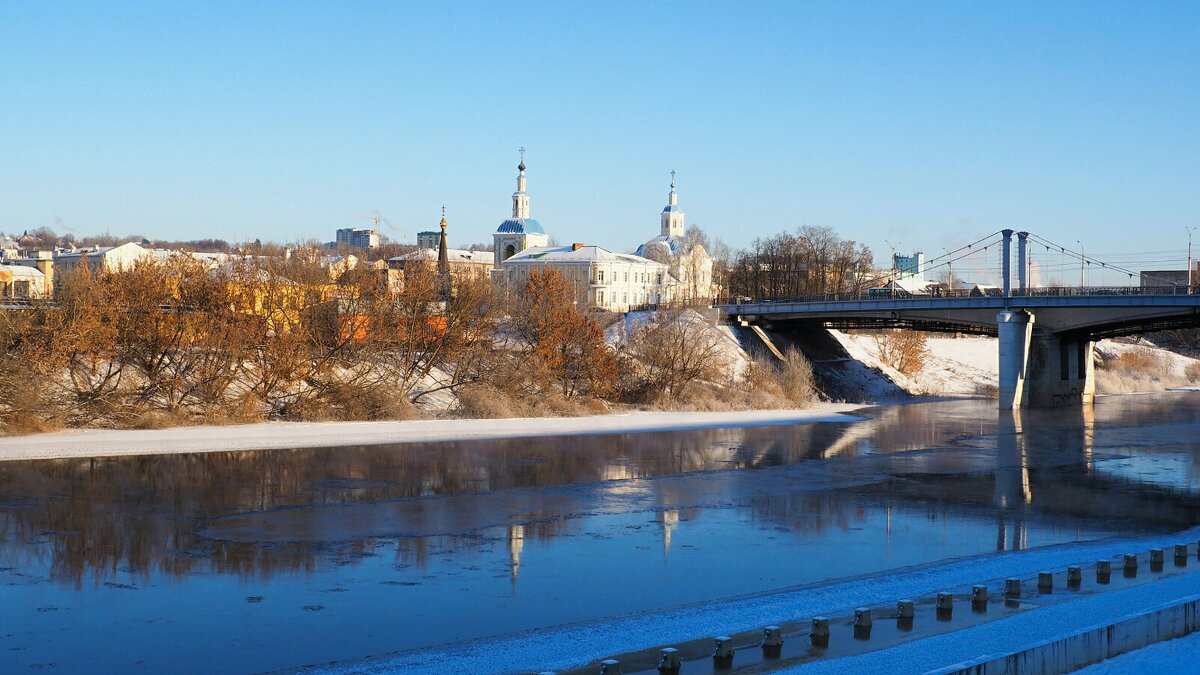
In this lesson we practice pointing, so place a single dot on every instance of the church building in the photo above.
(689, 264)
(520, 231)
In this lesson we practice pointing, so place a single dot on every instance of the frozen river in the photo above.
(271, 560)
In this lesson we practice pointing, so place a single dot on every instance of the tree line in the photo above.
(178, 341)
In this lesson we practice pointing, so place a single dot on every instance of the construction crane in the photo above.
(377, 218)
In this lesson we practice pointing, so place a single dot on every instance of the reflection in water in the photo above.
(449, 529)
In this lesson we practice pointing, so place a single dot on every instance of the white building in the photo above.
(519, 232)
(690, 265)
(108, 258)
(21, 281)
(601, 279)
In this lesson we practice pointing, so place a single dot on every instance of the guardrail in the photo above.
(899, 294)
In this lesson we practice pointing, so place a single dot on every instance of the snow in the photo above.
(270, 435)
(589, 642)
(1156, 659)
(1020, 630)
(968, 366)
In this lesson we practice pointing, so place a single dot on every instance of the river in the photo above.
(271, 560)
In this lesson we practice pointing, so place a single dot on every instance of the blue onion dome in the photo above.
(521, 225)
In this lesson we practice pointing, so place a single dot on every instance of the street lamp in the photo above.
(1190, 230)
(949, 268)
(1082, 273)
(893, 246)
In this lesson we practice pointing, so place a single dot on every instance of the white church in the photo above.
(689, 264)
(664, 269)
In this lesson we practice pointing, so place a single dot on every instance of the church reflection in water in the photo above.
(275, 512)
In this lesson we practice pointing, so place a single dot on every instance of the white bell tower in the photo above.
(672, 216)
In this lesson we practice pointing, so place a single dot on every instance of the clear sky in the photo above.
(923, 124)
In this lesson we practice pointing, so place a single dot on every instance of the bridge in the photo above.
(1046, 334)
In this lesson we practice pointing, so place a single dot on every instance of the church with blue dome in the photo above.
(520, 231)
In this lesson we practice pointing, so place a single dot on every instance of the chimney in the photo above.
(576, 246)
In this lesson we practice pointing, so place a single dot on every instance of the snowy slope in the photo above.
(968, 366)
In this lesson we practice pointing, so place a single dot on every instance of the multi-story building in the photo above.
(428, 239)
(357, 238)
(601, 279)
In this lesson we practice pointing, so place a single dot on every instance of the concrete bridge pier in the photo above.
(1042, 369)
(1062, 371)
(1015, 329)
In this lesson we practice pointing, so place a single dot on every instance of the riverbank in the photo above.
(276, 435)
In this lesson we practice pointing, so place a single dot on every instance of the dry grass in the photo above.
(1192, 373)
(904, 350)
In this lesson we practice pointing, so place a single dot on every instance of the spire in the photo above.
(520, 199)
(443, 265)
(672, 217)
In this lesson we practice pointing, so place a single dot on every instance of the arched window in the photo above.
(509, 251)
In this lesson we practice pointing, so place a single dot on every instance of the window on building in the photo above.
(627, 277)
(600, 296)
(600, 277)
(660, 278)
(625, 298)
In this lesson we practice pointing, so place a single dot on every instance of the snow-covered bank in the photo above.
(271, 435)
(969, 366)
(589, 642)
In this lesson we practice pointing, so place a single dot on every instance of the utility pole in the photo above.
(1082, 273)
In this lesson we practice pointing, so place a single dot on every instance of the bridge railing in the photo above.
(978, 292)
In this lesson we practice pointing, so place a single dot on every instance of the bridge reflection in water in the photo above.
(455, 539)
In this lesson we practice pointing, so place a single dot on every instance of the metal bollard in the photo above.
(820, 631)
(1074, 576)
(772, 642)
(670, 662)
(1012, 587)
(610, 667)
(1045, 582)
(862, 623)
(1103, 571)
(723, 650)
(945, 606)
(1156, 559)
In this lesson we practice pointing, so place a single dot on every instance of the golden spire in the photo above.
(443, 218)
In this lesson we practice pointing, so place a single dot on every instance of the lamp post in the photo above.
(1189, 264)
(1082, 273)
(949, 269)
(892, 246)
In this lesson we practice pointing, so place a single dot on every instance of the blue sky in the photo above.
(923, 124)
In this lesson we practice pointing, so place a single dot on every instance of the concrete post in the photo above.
(723, 649)
(772, 642)
(610, 667)
(670, 662)
(820, 631)
(1006, 261)
(1015, 329)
